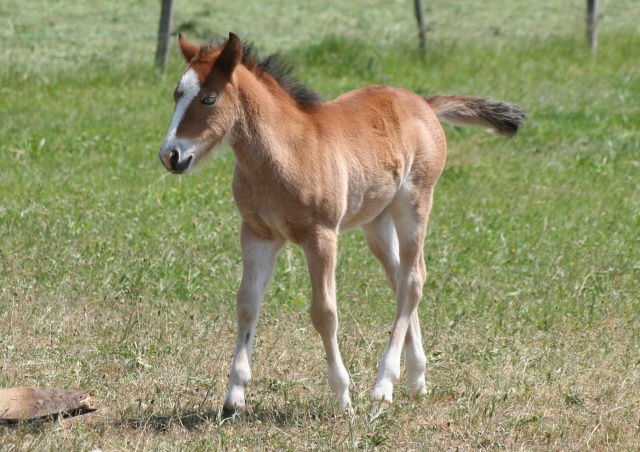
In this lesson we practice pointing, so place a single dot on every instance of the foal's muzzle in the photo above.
(176, 161)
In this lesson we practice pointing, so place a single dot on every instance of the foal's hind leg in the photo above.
(383, 241)
(414, 357)
(258, 259)
(320, 250)
(410, 211)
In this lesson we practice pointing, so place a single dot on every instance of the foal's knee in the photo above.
(247, 309)
(323, 317)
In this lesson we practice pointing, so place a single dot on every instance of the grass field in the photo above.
(118, 277)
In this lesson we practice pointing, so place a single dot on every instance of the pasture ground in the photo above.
(118, 277)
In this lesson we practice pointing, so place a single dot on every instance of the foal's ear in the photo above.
(230, 56)
(189, 51)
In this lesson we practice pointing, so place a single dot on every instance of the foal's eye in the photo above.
(209, 100)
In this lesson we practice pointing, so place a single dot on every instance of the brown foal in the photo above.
(305, 171)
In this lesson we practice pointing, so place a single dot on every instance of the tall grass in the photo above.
(118, 277)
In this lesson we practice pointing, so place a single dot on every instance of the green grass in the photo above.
(118, 277)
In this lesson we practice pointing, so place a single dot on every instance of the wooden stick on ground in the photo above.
(26, 403)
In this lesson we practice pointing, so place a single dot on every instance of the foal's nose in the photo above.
(175, 160)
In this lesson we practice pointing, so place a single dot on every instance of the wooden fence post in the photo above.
(593, 7)
(164, 34)
(422, 29)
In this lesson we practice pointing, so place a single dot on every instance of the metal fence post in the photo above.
(164, 34)
(422, 29)
(593, 7)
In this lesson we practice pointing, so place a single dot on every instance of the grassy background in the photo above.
(118, 277)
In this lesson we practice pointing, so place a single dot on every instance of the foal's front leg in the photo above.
(320, 250)
(258, 260)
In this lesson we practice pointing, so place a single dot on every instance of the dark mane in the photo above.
(275, 66)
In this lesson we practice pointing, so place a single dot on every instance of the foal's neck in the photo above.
(269, 124)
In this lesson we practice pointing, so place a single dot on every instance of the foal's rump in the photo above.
(501, 117)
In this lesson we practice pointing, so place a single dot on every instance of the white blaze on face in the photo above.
(188, 87)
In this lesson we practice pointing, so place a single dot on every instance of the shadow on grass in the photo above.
(162, 422)
(192, 419)
(31, 426)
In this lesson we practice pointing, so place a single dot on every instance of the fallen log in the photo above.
(27, 403)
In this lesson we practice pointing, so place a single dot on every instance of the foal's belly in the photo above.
(338, 205)
(365, 208)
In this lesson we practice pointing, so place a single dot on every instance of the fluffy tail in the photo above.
(501, 117)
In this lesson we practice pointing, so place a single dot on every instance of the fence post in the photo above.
(593, 7)
(164, 34)
(422, 29)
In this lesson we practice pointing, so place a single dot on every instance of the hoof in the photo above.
(344, 405)
(379, 407)
(417, 390)
(348, 411)
(228, 413)
(341, 408)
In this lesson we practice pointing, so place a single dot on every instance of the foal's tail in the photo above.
(501, 117)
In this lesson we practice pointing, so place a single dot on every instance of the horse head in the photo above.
(205, 101)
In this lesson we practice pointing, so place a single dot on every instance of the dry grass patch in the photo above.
(160, 384)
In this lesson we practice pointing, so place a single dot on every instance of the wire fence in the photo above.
(55, 34)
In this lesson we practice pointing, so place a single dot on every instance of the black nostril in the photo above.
(174, 157)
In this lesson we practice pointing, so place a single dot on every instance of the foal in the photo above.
(307, 170)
